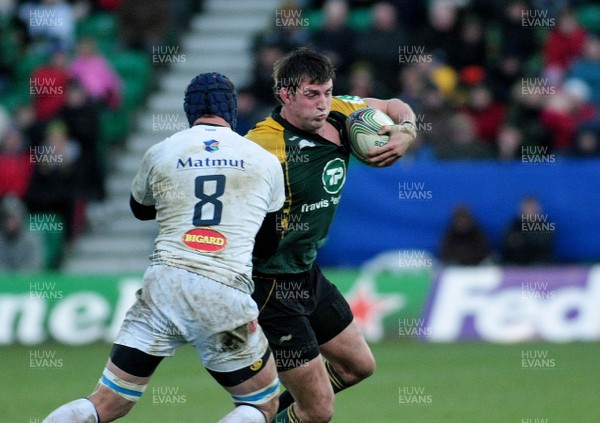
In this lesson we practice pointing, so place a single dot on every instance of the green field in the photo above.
(414, 382)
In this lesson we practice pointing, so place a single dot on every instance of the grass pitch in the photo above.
(414, 382)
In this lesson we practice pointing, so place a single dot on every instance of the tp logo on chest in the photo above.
(334, 176)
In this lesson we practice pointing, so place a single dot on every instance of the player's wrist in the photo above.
(407, 126)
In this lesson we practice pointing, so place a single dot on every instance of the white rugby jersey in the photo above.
(212, 189)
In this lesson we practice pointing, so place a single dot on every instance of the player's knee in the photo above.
(358, 370)
(115, 397)
(320, 413)
(266, 399)
(367, 367)
(269, 409)
(108, 414)
(317, 411)
(110, 407)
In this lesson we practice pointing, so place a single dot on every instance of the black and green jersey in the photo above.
(314, 171)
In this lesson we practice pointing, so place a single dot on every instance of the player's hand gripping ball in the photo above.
(363, 126)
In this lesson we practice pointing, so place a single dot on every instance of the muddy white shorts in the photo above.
(176, 307)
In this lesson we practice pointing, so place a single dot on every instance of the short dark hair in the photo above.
(298, 65)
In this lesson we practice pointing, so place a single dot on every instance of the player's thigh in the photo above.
(350, 354)
(332, 314)
(286, 325)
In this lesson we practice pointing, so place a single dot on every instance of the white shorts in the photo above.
(176, 307)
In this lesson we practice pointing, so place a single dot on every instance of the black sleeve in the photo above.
(267, 238)
(140, 211)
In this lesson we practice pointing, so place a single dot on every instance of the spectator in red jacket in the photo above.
(567, 111)
(15, 164)
(487, 114)
(564, 44)
(48, 86)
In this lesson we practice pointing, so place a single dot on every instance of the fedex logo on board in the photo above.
(515, 304)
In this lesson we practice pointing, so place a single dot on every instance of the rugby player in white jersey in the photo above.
(209, 190)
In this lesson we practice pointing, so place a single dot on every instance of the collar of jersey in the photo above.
(209, 124)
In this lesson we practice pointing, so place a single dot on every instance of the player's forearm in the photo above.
(395, 108)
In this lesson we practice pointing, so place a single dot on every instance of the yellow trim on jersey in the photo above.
(347, 104)
(269, 135)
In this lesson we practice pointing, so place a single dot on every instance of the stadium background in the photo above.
(507, 102)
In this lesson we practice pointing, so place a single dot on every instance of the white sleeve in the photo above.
(141, 189)
(278, 189)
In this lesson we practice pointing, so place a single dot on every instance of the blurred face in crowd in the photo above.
(530, 206)
(12, 142)
(384, 16)
(567, 24)
(11, 224)
(442, 16)
(336, 13)
(86, 47)
(462, 220)
(514, 12)
(592, 49)
(480, 97)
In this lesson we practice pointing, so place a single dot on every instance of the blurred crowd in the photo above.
(72, 74)
(488, 79)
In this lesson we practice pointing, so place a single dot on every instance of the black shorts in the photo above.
(298, 313)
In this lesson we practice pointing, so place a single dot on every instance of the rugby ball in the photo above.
(363, 126)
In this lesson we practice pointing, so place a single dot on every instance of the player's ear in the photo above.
(284, 95)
